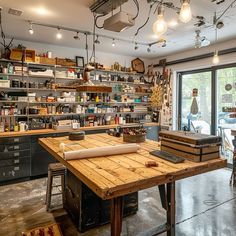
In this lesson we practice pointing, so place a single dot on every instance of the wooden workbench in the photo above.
(112, 177)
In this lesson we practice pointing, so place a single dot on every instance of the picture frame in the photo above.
(138, 66)
(79, 61)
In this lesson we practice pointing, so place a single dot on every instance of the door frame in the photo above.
(213, 71)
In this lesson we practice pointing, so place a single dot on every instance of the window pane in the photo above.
(201, 121)
(226, 112)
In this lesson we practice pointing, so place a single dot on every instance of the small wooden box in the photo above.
(16, 54)
(98, 89)
(47, 61)
(65, 62)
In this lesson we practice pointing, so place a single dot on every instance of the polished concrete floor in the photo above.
(206, 206)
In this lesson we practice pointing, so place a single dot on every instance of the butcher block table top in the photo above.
(118, 175)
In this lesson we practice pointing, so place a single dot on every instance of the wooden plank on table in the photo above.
(185, 148)
(191, 157)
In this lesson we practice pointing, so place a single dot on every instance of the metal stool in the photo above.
(55, 169)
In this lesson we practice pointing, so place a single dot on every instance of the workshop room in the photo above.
(118, 118)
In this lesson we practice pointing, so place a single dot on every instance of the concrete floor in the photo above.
(206, 206)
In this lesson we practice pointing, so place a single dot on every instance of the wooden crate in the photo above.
(192, 146)
(16, 54)
(65, 62)
(98, 89)
(47, 61)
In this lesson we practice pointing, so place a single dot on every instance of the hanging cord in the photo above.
(94, 46)
(96, 19)
(137, 5)
(86, 46)
(149, 13)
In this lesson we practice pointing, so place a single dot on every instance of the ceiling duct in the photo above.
(106, 6)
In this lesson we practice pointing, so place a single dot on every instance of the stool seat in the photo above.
(55, 169)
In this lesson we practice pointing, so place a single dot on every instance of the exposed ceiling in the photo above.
(76, 14)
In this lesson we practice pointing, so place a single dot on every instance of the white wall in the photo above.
(106, 59)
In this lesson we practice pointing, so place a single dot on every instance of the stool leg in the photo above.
(63, 184)
(49, 191)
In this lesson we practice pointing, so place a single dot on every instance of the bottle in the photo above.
(97, 99)
(103, 121)
(95, 121)
(120, 120)
(116, 120)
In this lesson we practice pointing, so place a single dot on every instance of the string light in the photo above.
(160, 26)
(59, 35)
(216, 58)
(185, 13)
(76, 37)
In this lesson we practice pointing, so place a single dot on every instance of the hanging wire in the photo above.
(86, 46)
(149, 13)
(137, 5)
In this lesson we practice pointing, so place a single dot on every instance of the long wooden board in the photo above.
(117, 175)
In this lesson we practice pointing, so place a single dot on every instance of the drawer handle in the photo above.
(16, 147)
(16, 154)
(17, 161)
(16, 168)
(16, 140)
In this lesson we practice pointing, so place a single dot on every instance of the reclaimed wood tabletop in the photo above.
(118, 175)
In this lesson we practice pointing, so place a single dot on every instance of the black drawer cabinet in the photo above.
(40, 158)
(14, 154)
(15, 161)
(87, 210)
(14, 172)
(15, 140)
(14, 147)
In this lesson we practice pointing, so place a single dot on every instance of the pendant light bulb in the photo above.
(31, 31)
(216, 58)
(160, 26)
(113, 43)
(185, 13)
(136, 46)
(59, 35)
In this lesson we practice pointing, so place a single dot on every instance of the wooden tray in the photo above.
(99, 89)
(134, 138)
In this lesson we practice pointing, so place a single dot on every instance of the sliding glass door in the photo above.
(214, 108)
(226, 108)
(195, 111)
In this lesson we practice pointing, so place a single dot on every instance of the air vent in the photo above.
(15, 12)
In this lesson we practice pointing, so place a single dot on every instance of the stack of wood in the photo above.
(192, 146)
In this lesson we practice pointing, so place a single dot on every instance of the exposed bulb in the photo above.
(160, 26)
(31, 31)
(59, 35)
(216, 58)
(185, 13)
(113, 43)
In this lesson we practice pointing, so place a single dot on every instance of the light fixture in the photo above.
(76, 37)
(113, 43)
(149, 49)
(59, 35)
(216, 58)
(160, 26)
(31, 31)
(136, 46)
(185, 13)
(97, 40)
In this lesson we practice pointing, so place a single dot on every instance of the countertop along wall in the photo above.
(68, 52)
(194, 65)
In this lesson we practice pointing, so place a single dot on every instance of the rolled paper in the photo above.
(101, 151)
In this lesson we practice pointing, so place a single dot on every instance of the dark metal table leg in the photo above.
(171, 208)
(233, 176)
(116, 216)
(162, 191)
